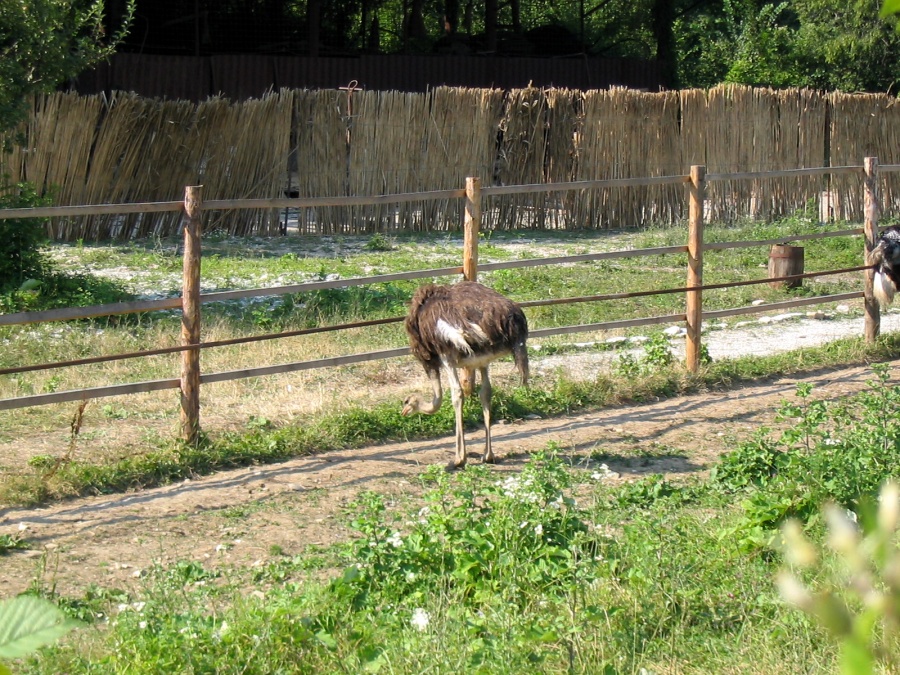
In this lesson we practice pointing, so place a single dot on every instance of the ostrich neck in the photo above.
(437, 395)
(431, 408)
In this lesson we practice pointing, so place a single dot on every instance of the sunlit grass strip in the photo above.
(356, 426)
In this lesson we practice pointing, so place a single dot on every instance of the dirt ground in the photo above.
(251, 515)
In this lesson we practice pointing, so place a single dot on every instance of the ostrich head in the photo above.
(416, 404)
(411, 404)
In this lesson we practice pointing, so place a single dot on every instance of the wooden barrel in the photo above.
(785, 260)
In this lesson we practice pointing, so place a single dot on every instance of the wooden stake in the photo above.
(190, 317)
(471, 229)
(694, 299)
(873, 311)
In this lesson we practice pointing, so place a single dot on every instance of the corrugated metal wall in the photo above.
(245, 76)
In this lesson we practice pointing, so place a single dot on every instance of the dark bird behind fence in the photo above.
(885, 260)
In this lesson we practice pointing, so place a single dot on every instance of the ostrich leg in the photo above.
(457, 398)
(485, 396)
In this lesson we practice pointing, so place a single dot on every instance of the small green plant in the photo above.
(378, 242)
(830, 451)
(22, 258)
(12, 542)
(657, 355)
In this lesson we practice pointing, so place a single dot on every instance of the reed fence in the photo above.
(337, 143)
(472, 198)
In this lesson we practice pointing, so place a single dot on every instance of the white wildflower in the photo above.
(539, 529)
(410, 576)
(420, 619)
(142, 625)
(395, 540)
(23, 527)
(217, 634)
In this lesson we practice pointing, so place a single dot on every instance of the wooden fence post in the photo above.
(694, 299)
(873, 311)
(471, 229)
(190, 317)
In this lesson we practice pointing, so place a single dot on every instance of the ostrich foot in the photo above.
(454, 465)
(489, 458)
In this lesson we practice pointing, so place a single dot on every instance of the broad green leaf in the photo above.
(30, 285)
(856, 659)
(890, 7)
(28, 623)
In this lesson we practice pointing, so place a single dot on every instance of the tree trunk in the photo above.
(313, 25)
(415, 22)
(491, 12)
(663, 18)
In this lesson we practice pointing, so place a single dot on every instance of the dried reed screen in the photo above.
(537, 137)
(386, 144)
(864, 125)
(321, 152)
(733, 129)
(628, 134)
(246, 154)
(141, 154)
(460, 141)
(123, 148)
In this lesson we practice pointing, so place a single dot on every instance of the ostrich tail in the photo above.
(883, 288)
(520, 356)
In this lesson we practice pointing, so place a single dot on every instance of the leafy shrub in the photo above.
(471, 537)
(28, 279)
(837, 452)
(21, 239)
(657, 356)
(28, 623)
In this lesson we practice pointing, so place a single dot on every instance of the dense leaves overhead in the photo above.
(45, 42)
(825, 44)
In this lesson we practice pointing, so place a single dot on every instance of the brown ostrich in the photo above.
(465, 325)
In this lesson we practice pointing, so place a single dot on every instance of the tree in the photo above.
(846, 45)
(822, 44)
(46, 42)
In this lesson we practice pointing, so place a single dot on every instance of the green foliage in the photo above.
(379, 242)
(469, 540)
(28, 278)
(12, 542)
(823, 44)
(846, 46)
(46, 42)
(27, 624)
(657, 357)
(829, 452)
(21, 240)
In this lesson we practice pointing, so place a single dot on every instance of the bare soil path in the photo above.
(251, 515)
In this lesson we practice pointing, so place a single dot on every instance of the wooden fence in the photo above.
(472, 196)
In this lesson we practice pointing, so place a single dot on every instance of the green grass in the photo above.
(355, 426)
(547, 571)
(551, 569)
